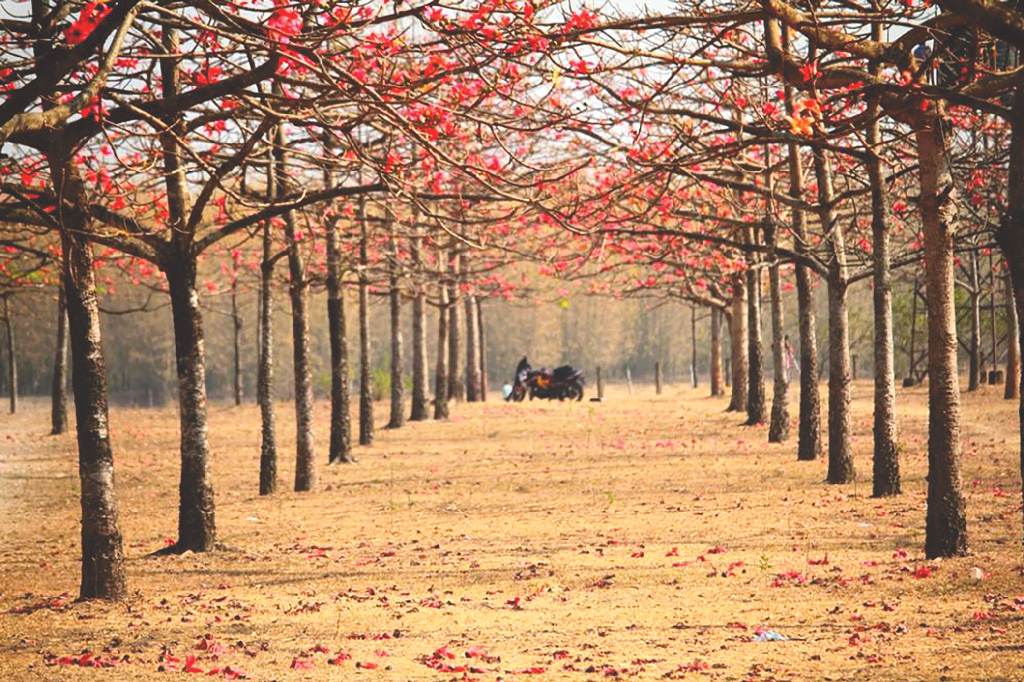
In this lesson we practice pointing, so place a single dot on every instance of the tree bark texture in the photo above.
(757, 412)
(738, 346)
(236, 320)
(778, 429)
(1012, 388)
(456, 388)
(472, 350)
(365, 373)
(946, 521)
(397, 419)
(717, 383)
(58, 389)
(482, 345)
(443, 337)
(265, 371)
(974, 359)
(420, 399)
(341, 420)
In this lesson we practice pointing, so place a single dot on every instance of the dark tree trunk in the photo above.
(717, 387)
(397, 419)
(946, 522)
(341, 421)
(265, 371)
(455, 384)
(974, 359)
(365, 379)
(12, 358)
(482, 345)
(443, 337)
(58, 389)
(472, 351)
(756, 408)
(420, 399)
(305, 457)
(236, 319)
(886, 457)
(778, 430)
(103, 571)
(738, 346)
(1012, 389)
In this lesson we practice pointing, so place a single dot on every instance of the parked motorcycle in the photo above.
(562, 383)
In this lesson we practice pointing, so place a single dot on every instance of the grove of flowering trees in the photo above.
(718, 153)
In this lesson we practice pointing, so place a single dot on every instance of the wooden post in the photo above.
(657, 378)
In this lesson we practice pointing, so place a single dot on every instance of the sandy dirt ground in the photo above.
(647, 537)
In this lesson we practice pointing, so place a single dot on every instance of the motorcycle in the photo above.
(562, 383)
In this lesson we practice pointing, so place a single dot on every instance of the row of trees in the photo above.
(426, 148)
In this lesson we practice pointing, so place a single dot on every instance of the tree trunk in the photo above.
(778, 430)
(443, 337)
(12, 363)
(341, 422)
(455, 384)
(236, 319)
(196, 527)
(974, 359)
(738, 346)
(265, 371)
(694, 379)
(58, 390)
(717, 387)
(1012, 390)
(305, 457)
(397, 419)
(756, 409)
(886, 457)
(420, 400)
(472, 349)
(482, 345)
(946, 524)
(365, 378)
(840, 447)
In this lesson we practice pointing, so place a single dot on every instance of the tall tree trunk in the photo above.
(236, 319)
(694, 379)
(974, 359)
(778, 430)
(420, 400)
(946, 523)
(196, 526)
(397, 419)
(809, 419)
(265, 371)
(443, 338)
(12, 358)
(717, 387)
(757, 412)
(341, 420)
(472, 347)
(58, 389)
(365, 379)
(1012, 390)
(456, 388)
(886, 457)
(305, 457)
(840, 445)
(103, 571)
(482, 345)
(738, 346)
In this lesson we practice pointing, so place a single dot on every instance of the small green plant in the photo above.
(380, 383)
(764, 562)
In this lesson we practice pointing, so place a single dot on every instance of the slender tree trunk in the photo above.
(443, 338)
(58, 390)
(397, 419)
(365, 378)
(420, 400)
(757, 412)
(974, 366)
(456, 388)
(265, 371)
(196, 526)
(738, 343)
(778, 430)
(305, 457)
(694, 379)
(886, 457)
(472, 348)
(482, 345)
(341, 421)
(236, 319)
(946, 522)
(12, 358)
(1012, 390)
(717, 387)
